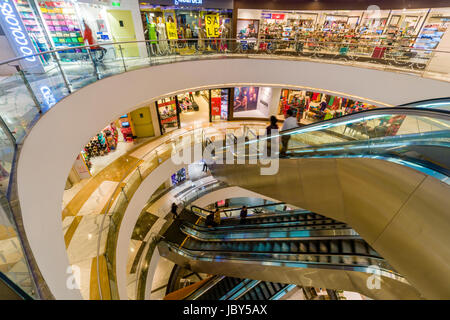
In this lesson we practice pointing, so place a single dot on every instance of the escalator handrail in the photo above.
(346, 233)
(14, 287)
(262, 226)
(433, 113)
(184, 248)
(205, 288)
(192, 254)
(227, 210)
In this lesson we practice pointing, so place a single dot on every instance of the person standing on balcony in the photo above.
(290, 122)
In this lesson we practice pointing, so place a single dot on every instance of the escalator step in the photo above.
(293, 247)
(334, 247)
(265, 291)
(323, 247)
(302, 247)
(346, 247)
(253, 295)
(276, 247)
(259, 293)
(360, 247)
(276, 286)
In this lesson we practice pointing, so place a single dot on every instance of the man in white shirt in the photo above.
(289, 123)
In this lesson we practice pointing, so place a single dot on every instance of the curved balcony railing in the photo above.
(130, 182)
(37, 82)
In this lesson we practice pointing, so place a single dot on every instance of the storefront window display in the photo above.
(311, 106)
(374, 31)
(62, 24)
(187, 102)
(219, 104)
(102, 144)
(168, 114)
(178, 177)
(173, 22)
(247, 29)
(251, 102)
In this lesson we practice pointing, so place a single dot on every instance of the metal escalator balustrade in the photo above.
(415, 137)
(345, 252)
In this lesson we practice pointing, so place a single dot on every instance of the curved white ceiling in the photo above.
(54, 142)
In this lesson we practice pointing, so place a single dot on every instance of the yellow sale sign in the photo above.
(212, 25)
(171, 30)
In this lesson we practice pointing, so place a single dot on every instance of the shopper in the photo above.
(174, 210)
(89, 40)
(289, 123)
(205, 166)
(210, 220)
(243, 215)
(273, 126)
(217, 216)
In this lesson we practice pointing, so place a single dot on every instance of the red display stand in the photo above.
(378, 52)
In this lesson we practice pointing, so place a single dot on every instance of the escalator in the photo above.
(230, 288)
(296, 247)
(384, 172)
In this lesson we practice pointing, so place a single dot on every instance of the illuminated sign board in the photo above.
(195, 2)
(17, 35)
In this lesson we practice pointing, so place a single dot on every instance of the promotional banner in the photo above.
(171, 30)
(212, 25)
(215, 106)
(17, 35)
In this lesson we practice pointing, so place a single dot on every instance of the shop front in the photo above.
(51, 25)
(310, 106)
(196, 20)
(370, 32)
(114, 140)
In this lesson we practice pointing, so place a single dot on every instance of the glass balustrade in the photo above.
(31, 91)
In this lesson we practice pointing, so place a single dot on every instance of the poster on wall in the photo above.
(171, 31)
(215, 106)
(212, 25)
(252, 102)
(178, 177)
(247, 29)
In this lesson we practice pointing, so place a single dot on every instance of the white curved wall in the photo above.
(54, 142)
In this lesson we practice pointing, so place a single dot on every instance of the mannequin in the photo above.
(152, 35)
(162, 36)
(223, 36)
(201, 36)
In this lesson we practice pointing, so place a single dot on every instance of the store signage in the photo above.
(212, 25)
(215, 106)
(266, 15)
(115, 4)
(278, 16)
(171, 30)
(17, 35)
(194, 2)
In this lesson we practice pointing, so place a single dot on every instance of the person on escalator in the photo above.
(289, 123)
(217, 216)
(173, 210)
(243, 215)
(210, 220)
(272, 127)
